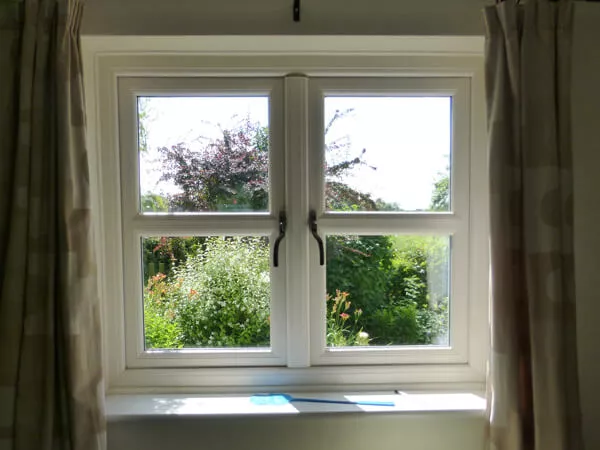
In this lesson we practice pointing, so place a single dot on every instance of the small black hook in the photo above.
(296, 10)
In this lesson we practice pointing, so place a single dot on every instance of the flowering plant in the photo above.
(343, 328)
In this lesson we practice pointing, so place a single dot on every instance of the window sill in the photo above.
(126, 407)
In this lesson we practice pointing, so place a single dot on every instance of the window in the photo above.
(389, 161)
(279, 227)
(202, 176)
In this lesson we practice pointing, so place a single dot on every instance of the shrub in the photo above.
(226, 294)
(161, 328)
(417, 308)
(433, 323)
(218, 295)
(360, 265)
(162, 254)
(401, 284)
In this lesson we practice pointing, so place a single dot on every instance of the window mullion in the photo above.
(317, 202)
(297, 286)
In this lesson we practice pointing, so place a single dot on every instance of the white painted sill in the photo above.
(127, 407)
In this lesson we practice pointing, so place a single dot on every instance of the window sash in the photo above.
(298, 286)
(136, 225)
(454, 223)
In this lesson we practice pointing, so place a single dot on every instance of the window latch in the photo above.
(282, 227)
(314, 231)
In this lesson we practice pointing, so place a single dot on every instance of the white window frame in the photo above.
(454, 223)
(137, 225)
(107, 60)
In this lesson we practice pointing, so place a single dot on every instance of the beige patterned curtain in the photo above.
(533, 390)
(51, 390)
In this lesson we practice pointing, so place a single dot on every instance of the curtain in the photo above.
(51, 388)
(533, 398)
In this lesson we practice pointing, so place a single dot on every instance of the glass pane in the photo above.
(206, 292)
(203, 154)
(387, 290)
(387, 153)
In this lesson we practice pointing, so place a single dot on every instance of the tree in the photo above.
(440, 200)
(163, 254)
(231, 173)
(154, 203)
(361, 266)
(143, 119)
(338, 195)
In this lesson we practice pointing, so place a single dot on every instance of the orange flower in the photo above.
(344, 316)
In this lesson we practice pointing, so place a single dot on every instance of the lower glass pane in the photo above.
(206, 292)
(388, 290)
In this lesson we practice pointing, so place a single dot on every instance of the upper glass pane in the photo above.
(203, 154)
(387, 153)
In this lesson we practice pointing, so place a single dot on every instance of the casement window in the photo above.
(292, 226)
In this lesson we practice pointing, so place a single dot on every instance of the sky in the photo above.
(407, 139)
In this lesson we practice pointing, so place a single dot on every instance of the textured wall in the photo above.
(200, 17)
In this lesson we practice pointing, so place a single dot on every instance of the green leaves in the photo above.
(219, 297)
(216, 290)
(400, 282)
(440, 200)
(230, 173)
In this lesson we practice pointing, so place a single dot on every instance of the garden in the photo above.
(215, 291)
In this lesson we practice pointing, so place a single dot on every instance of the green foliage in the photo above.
(161, 327)
(341, 197)
(343, 328)
(143, 120)
(217, 298)
(162, 254)
(228, 294)
(406, 323)
(154, 203)
(440, 200)
(433, 323)
(417, 307)
(215, 291)
(401, 284)
(360, 265)
(422, 264)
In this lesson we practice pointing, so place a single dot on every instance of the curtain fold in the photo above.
(51, 388)
(533, 396)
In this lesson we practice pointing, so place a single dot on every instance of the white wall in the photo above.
(586, 135)
(201, 17)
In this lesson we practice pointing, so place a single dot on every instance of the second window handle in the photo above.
(313, 230)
